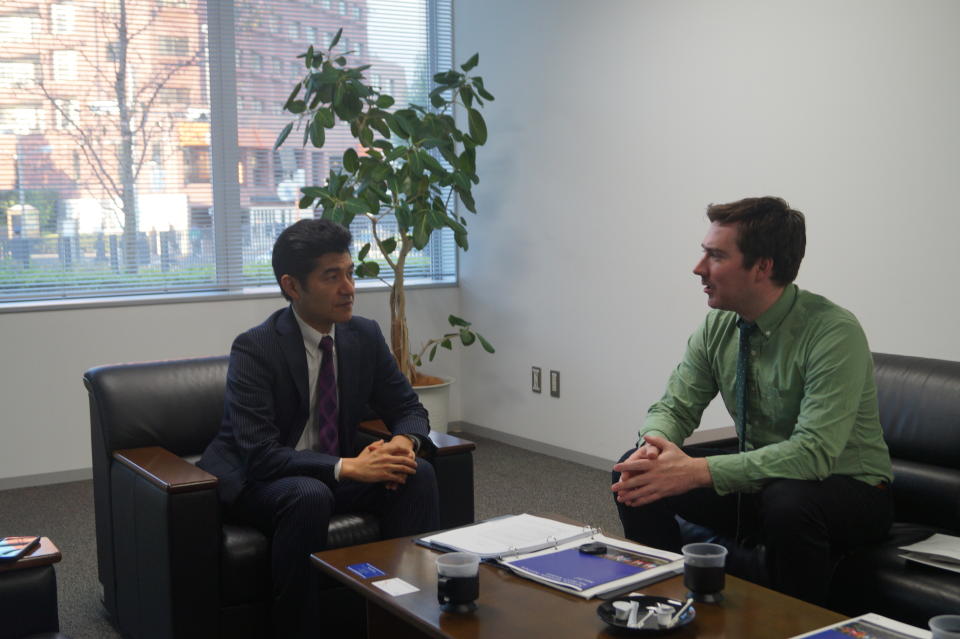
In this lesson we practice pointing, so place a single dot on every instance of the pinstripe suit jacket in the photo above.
(267, 402)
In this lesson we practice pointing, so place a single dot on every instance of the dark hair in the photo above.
(296, 251)
(766, 227)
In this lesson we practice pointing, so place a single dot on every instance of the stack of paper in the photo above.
(548, 551)
(941, 551)
(869, 626)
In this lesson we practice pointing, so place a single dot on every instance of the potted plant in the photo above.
(408, 164)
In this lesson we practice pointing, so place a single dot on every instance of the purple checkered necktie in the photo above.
(328, 439)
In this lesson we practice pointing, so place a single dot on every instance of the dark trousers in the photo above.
(802, 523)
(295, 513)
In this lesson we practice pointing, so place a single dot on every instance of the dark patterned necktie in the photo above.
(743, 365)
(328, 439)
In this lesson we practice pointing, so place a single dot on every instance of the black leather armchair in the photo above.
(168, 564)
(919, 401)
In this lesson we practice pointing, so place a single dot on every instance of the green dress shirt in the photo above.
(811, 397)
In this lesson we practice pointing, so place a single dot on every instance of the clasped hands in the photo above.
(658, 469)
(382, 461)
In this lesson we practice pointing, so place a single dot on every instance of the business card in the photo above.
(365, 570)
(395, 586)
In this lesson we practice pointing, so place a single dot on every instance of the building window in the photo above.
(64, 66)
(62, 19)
(196, 164)
(66, 114)
(17, 73)
(177, 46)
(19, 119)
(17, 28)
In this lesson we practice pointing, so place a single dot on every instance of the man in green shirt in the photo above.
(795, 372)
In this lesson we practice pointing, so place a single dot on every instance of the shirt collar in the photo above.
(774, 316)
(311, 336)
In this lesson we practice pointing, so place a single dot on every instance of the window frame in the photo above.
(229, 169)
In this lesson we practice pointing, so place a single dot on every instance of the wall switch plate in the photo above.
(554, 383)
(535, 380)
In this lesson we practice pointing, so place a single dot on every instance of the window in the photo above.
(64, 66)
(175, 46)
(85, 230)
(62, 19)
(20, 119)
(66, 113)
(16, 74)
(196, 161)
(17, 28)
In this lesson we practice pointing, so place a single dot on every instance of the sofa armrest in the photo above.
(725, 437)
(165, 470)
(166, 545)
(453, 464)
(445, 443)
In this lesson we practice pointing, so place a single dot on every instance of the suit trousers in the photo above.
(802, 523)
(295, 513)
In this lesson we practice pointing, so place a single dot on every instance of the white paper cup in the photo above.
(458, 564)
(945, 627)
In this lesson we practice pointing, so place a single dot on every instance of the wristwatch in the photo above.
(416, 442)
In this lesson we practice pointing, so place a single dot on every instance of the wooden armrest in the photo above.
(712, 436)
(446, 443)
(165, 470)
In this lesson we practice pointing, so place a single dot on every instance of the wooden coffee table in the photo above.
(510, 606)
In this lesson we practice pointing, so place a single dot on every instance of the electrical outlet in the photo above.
(535, 380)
(554, 383)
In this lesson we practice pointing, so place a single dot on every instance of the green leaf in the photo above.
(478, 128)
(350, 160)
(385, 101)
(487, 346)
(306, 201)
(461, 240)
(457, 321)
(416, 359)
(437, 219)
(355, 207)
(431, 162)
(467, 200)
(362, 255)
(308, 62)
(317, 135)
(403, 218)
(297, 106)
(336, 38)
(367, 269)
(388, 245)
(433, 352)
(472, 62)
(325, 115)
(447, 344)
(366, 136)
(293, 95)
(467, 337)
(283, 135)
(486, 95)
(421, 233)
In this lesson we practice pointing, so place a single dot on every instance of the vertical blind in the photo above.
(136, 136)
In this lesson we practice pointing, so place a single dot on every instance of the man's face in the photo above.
(326, 296)
(728, 285)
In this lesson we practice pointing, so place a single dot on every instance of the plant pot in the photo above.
(436, 399)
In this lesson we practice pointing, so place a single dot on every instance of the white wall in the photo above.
(44, 416)
(617, 122)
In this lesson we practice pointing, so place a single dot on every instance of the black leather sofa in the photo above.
(919, 401)
(169, 566)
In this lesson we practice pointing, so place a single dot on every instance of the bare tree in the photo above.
(134, 116)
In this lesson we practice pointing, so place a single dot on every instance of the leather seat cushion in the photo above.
(877, 578)
(245, 555)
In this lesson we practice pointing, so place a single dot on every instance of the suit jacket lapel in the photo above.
(291, 342)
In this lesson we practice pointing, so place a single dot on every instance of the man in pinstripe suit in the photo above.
(287, 460)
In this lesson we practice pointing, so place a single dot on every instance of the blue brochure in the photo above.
(587, 575)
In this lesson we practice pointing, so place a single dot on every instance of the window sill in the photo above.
(258, 292)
